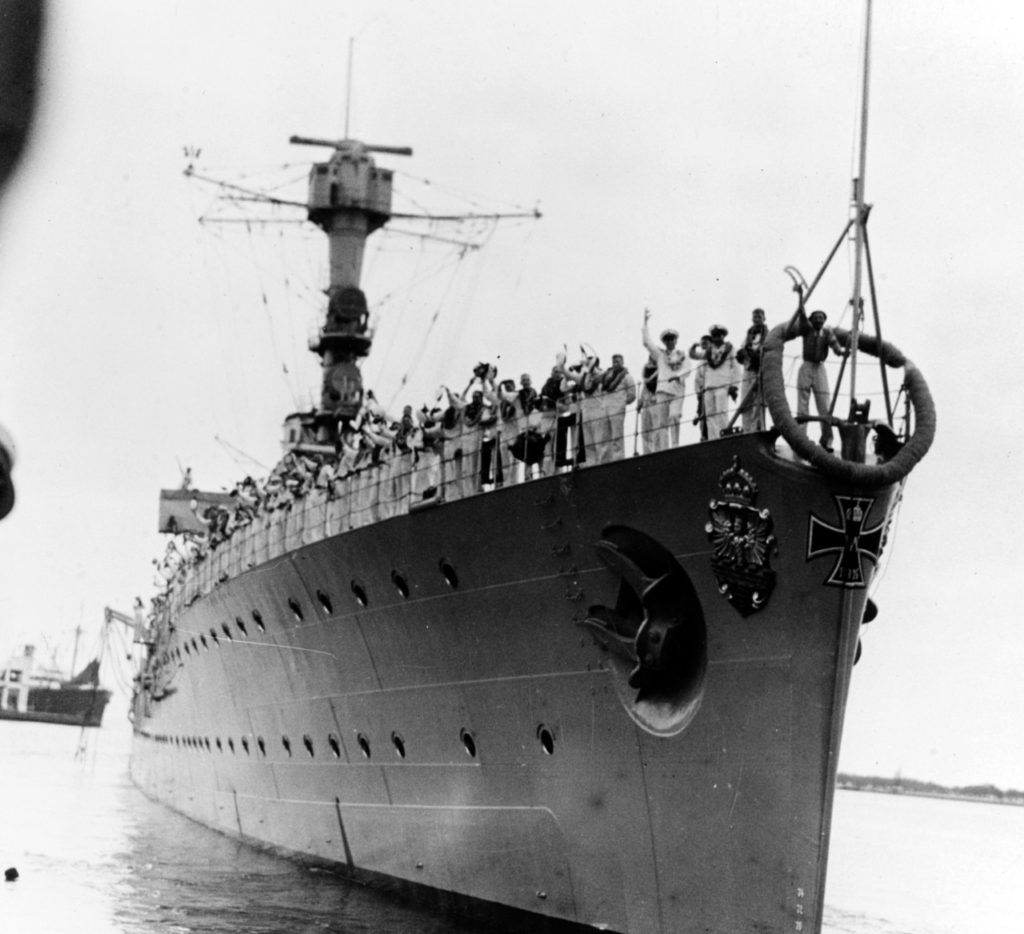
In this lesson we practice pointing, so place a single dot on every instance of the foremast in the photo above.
(349, 198)
(861, 210)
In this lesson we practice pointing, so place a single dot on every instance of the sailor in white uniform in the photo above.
(667, 409)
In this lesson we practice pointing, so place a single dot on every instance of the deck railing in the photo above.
(375, 492)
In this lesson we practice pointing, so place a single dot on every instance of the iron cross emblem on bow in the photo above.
(850, 543)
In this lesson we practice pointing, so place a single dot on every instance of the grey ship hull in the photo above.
(477, 739)
(70, 706)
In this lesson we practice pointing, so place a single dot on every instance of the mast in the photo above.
(349, 198)
(348, 82)
(74, 654)
(860, 211)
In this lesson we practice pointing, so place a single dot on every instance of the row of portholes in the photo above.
(545, 736)
(400, 582)
(358, 592)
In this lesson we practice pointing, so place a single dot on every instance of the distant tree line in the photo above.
(912, 786)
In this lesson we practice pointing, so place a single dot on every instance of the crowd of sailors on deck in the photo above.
(497, 432)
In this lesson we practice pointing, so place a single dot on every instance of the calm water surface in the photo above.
(96, 856)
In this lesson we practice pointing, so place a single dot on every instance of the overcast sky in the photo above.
(681, 154)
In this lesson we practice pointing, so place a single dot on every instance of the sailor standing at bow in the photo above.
(667, 409)
(817, 340)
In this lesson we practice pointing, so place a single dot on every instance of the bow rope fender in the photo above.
(867, 476)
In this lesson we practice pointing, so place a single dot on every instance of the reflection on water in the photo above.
(96, 856)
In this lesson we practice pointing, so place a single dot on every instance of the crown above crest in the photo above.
(737, 485)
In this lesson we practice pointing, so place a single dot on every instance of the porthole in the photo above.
(245, 744)
(262, 746)
(448, 572)
(241, 627)
(468, 742)
(325, 602)
(399, 744)
(287, 743)
(257, 618)
(359, 592)
(227, 632)
(547, 739)
(231, 744)
(206, 743)
(364, 744)
(214, 636)
(188, 651)
(335, 745)
(206, 645)
(296, 609)
(401, 585)
(220, 745)
(307, 741)
(195, 647)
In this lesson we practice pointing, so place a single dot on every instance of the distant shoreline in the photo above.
(988, 794)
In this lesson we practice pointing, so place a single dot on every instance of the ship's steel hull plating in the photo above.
(429, 698)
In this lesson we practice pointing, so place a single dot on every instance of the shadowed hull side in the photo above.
(472, 737)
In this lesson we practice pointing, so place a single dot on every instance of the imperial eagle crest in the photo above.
(742, 542)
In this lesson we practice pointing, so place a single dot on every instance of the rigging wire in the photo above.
(477, 230)
(450, 263)
(229, 447)
(451, 190)
(219, 255)
(381, 364)
(403, 381)
(237, 195)
(265, 304)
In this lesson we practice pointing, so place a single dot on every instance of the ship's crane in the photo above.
(135, 623)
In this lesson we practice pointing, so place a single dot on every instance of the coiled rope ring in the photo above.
(868, 476)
